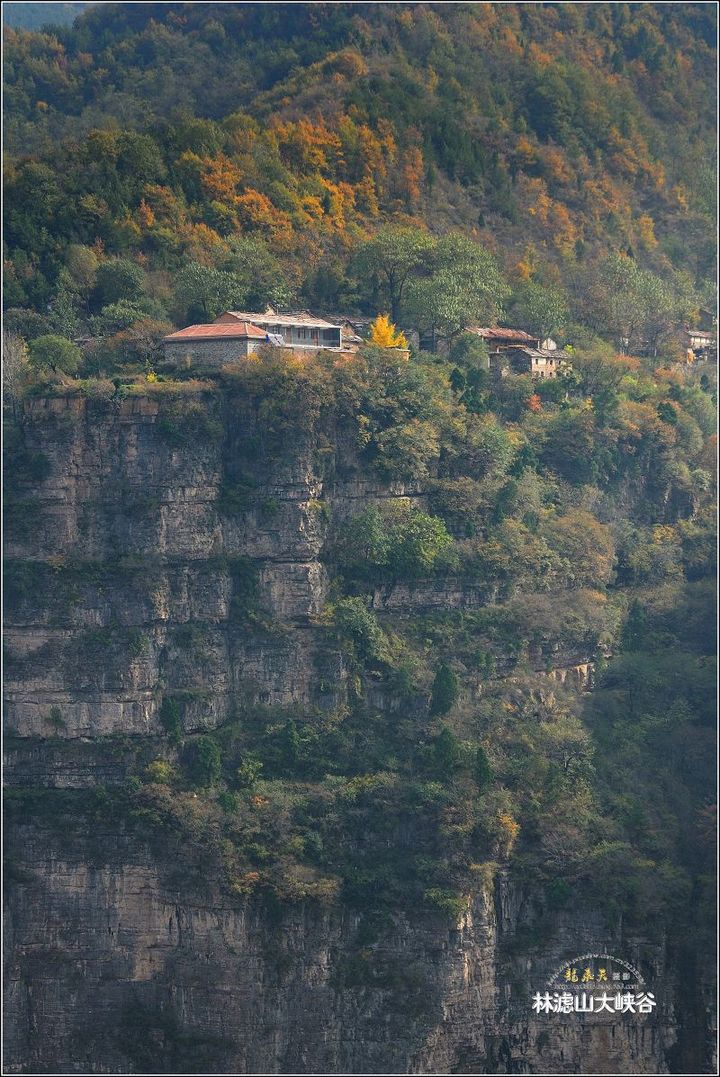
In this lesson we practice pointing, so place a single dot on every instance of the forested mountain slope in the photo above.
(554, 134)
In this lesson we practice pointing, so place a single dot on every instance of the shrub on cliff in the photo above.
(398, 542)
(446, 754)
(447, 902)
(205, 763)
(571, 447)
(585, 545)
(444, 690)
(483, 773)
(181, 422)
(169, 715)
(402, 411)
(357, 623)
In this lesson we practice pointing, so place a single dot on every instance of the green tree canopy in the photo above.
(399, 542)
(444, 690)
(464, 287)
(118, 279)
(206, 761)
(634, 305)
(260, 276)
(201, 292)
(54, 353)
(392, 257)
(483, 769)
(539, 309)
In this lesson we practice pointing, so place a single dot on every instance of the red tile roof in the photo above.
(229, 330)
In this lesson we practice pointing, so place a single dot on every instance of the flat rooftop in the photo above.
(301, 319)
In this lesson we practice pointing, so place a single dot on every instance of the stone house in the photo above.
(214, 344)
(495, 337)
(538, 362)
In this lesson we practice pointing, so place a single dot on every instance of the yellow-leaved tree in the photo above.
(384, 334)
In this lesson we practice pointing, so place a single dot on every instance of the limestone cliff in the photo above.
(134, 579)
(112, 964)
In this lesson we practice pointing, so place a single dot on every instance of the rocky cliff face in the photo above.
(130, 582)
(112, 970)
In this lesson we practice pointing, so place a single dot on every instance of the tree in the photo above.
(399, 542)
(206, 761)
(667, 413)
(260, 275)
(392, 257)
(116, 317)
(81, 267)
(141, 342)
(54, 353)
(289, 743)
(363, 542)
(416, 542)
(171, 719)
(118, 279)
(635, 627)
(404, 450)
(636, 306)
(549, 104)
(464, 287)
(28, 324)
(488, 447)
(471, 377)
(202, 292)
(600, 372)
(469, 350)
(444, 690)
(383, 334)
(446, 753)
(585, 544)
(63, 318)
(249, 771)
(356, 622)
(570, 446)
(539, 309)
(565, 740)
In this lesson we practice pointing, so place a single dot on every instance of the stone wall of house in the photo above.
(211, 352)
